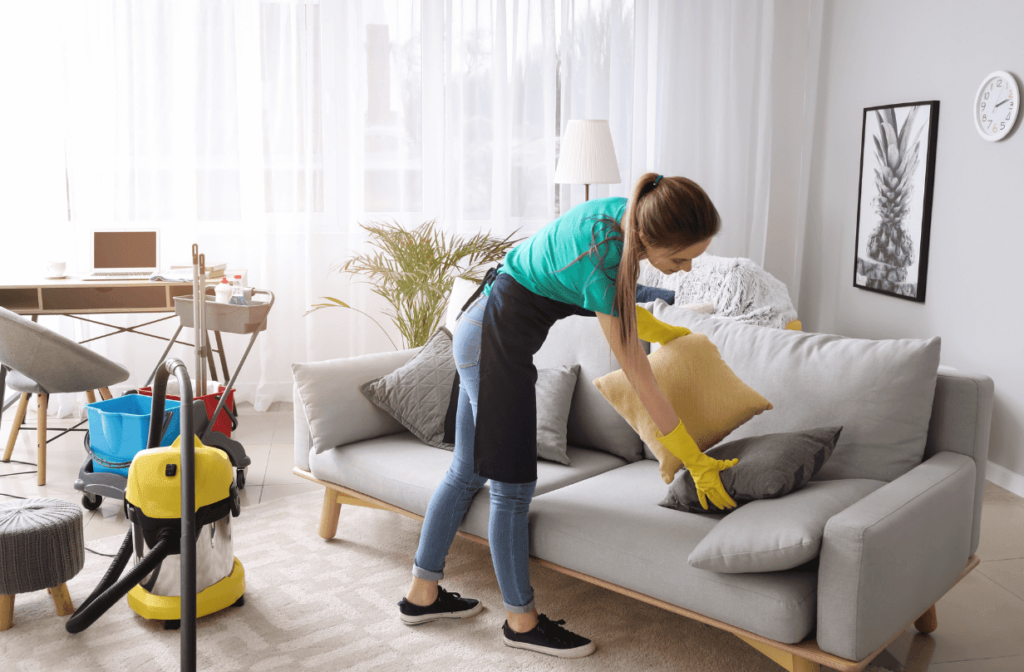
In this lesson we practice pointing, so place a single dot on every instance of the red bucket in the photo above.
(223, 421)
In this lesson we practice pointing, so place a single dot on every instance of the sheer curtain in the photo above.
(266, 131)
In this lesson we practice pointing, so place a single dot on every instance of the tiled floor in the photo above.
(267, 438)
(981, 621)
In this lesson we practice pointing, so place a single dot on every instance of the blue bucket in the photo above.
(119, 428)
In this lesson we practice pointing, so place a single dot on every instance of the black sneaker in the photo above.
(551, 638)
(447, 605)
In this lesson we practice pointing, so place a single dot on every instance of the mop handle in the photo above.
(188, 497)
(196, 319)
(202, 326)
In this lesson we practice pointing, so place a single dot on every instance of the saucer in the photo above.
(57, 277)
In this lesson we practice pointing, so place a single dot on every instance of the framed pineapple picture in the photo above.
(894, 205)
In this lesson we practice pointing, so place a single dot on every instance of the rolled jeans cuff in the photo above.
(521, 610)
(421, 573)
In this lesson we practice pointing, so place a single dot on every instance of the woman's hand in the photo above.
(704, 470)
(651, 329)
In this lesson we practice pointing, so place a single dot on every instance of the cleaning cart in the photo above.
(101, 477)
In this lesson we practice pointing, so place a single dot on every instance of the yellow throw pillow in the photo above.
(707, 396)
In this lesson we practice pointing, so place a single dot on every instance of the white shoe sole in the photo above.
(578, 652)
(427, 618)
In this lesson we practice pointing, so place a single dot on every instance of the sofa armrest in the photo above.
(303, 439)
(336, 412)
(889, 557)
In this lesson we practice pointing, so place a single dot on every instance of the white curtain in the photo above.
(267, 130)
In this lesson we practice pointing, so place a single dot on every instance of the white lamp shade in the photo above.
(587, 155)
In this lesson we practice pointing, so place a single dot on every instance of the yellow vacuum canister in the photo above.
(153, 504)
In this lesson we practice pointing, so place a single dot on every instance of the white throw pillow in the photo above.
(335, 409)
(770, 535)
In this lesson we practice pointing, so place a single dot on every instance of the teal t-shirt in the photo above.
(539, 263)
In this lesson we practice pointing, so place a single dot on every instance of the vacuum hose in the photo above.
(108, 592)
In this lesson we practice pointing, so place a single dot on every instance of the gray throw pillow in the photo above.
(418, 393)
(554, 396)
(769, 466)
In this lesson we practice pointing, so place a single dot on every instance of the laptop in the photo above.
(124, 255)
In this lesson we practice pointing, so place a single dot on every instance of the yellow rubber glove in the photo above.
(702, 468)
(651, 329)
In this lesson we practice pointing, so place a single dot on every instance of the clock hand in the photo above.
(1005, 101)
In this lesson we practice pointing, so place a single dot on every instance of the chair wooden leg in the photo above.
(19, 420)
(6, 612)
(928, 621)
(62, 600)
(41, 439)
(90, 396)
(105, 393)
(329, 514)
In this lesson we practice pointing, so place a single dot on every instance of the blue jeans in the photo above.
(510, 502)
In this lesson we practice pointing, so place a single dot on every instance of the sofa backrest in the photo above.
(880, 392)
(593, 423)
(960, 423)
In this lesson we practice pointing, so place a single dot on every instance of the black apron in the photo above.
(516, 323)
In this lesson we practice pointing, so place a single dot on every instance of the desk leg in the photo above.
(3, 388)
(223, 357)
(209, 358)
(163, 357)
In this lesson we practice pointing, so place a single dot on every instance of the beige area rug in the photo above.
(331, 605)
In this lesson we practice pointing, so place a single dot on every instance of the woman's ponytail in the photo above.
(669, 212)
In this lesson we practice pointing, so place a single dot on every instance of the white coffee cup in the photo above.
(55, 269)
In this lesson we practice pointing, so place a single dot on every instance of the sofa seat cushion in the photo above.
(403, 471)
(611, 527)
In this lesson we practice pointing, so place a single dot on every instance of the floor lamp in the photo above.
(587, 156)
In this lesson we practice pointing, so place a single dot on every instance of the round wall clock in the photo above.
(996, 105)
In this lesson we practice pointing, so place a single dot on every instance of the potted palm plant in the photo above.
(414, 270)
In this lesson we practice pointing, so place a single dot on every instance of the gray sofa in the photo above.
(884, 561)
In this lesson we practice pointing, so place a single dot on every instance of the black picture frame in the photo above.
(894, 199)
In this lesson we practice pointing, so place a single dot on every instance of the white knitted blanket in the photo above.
(739, 289)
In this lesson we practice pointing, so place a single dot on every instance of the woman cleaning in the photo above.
(586, 262)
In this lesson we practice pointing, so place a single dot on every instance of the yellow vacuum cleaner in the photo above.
(180, 500)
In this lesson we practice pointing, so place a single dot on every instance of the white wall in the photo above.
(878, 52)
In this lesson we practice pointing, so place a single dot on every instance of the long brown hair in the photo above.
(672, 212)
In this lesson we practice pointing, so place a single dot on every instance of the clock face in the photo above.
(996, 105)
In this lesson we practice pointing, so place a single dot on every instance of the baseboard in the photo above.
(1005, 478)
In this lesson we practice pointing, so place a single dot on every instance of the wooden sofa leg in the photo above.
(928, 621)
(329, 514)
(784, 658)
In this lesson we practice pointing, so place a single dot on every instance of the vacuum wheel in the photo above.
(241, 477)
(91, 502)
(172, 625)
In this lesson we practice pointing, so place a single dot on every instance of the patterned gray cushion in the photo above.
(418, 393)
(769, 466)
